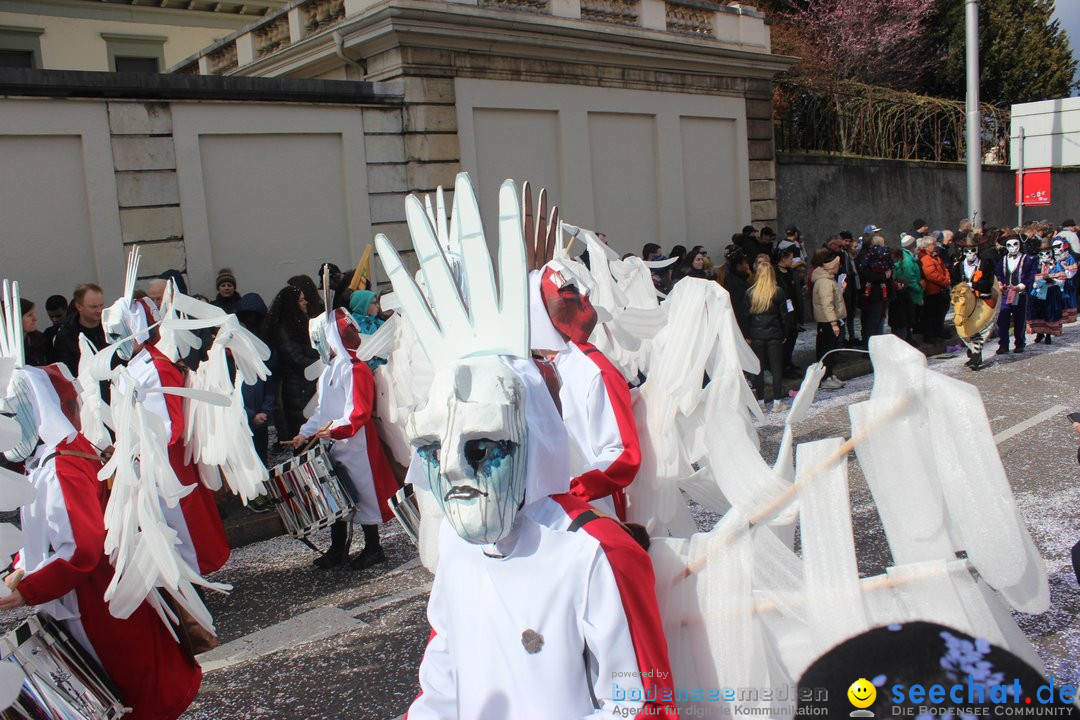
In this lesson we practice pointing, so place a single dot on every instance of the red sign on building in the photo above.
(1036, 187)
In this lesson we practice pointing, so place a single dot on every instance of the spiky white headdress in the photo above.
(457, 323)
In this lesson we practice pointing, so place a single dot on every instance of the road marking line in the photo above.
(391, 600)
(317, 624)
(1028, 424)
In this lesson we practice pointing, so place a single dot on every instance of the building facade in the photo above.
(117, 35)
(649, 120)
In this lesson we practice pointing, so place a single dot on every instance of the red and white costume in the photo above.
(195, 518)
(596, 408)
(68, 572)
(346, 393)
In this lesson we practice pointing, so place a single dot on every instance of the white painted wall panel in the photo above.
(710, 180)
(640, 166)
(275, 206)
(622, 149)
(519, 144)
(46, 238)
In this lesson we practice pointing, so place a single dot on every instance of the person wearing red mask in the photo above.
(594, 395)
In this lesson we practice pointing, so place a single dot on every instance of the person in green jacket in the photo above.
(908, 300)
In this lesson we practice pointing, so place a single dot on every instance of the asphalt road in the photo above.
(304, 644)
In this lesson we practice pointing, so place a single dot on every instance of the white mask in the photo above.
(1013, 247)
(1044, 256)
(971, 255)
(19, 406)
(472, 438)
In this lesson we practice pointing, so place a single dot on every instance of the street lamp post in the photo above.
(974, 143)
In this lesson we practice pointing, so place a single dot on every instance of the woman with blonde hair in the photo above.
(769, 319)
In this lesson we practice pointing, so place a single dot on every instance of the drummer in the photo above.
(63, 558)
(344, 418)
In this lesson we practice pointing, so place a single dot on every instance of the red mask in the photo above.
(571, 312)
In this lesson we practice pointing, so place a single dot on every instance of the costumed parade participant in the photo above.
(196, 518)
(346, 398)
(67, 571)
(975, 295)
(1044, 317)
(1068, 264)
(1016, 274)
(537, 602)
(593, 396)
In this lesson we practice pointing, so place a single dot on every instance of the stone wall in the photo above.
(823, 195)
(147, 191)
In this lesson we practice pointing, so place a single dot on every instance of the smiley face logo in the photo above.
(862, 693)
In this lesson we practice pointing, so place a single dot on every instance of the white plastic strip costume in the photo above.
(941, 496)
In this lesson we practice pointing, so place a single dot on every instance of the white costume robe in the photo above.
(346, 397)
(558, 587)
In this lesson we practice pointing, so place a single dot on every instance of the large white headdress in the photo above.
(127, 321)
(490, 434)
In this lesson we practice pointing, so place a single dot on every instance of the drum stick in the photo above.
(315, 438)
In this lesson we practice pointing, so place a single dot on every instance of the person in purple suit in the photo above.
(1016, 273)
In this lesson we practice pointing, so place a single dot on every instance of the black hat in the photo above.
(901, 657)
(792, 230)
(919, 223)
(334, 270)
(1070, 222)
(846, 234)
(768, 231)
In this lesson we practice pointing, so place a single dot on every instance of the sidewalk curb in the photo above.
(247, 528)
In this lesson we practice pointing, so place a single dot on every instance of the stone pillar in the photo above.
(762, 152)
(413, 148)
(148, 194)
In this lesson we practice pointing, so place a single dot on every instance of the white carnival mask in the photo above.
(1013, 247)
(971, 255)
(18, 404)
(1059, 250)
(472, 438)
(1044, 256)
(317, 333)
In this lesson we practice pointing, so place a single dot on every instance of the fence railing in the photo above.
(847, 118)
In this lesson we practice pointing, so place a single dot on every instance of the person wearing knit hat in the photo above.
(227, 298)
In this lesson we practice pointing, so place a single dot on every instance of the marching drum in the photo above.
(308, 493)
(63, 682)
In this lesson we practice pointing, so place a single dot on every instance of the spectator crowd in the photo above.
(850, 288)
(853, 287)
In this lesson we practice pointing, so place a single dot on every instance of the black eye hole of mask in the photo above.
(484, 455)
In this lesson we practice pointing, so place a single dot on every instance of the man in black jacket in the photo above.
(86, 320)
(785, 278)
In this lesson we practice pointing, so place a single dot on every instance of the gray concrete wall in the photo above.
(823, 195)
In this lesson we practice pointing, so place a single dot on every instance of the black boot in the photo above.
(1049, 339)
(1038, 338)
(976, 361)
(372, 554)
(340, 539)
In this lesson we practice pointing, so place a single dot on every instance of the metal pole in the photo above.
(974, 144)
(1020, 181)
